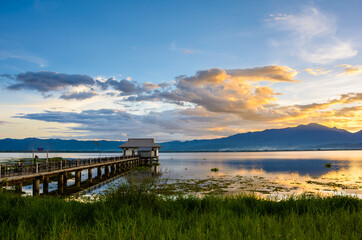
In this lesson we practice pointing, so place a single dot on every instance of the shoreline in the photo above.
(201, 151)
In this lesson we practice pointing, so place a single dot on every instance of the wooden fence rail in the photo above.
(19, 169)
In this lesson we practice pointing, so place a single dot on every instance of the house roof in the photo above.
(140, 143)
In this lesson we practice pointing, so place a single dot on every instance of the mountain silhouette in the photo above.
(303, 137)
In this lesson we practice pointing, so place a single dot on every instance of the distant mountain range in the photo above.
(303, 137)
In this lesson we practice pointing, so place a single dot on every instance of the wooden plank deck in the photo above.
(17, 174)
(14, 176)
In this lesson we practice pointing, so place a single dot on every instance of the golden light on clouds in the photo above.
(211, 103)
(317, 71)
(350, 70)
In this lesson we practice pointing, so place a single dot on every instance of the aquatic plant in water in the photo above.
(328, 165)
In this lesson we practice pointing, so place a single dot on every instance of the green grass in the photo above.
(142, 168)
(135, 213)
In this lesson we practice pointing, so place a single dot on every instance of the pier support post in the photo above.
(77, 178)
(19, 187)
(61, 183)
(90, 175)
(36, 186)
(155, 170)
(99, 172)
(46, 185)
(106, 170)
(65, 179)
(113, 170)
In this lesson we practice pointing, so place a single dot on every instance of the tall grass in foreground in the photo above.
(139, 215)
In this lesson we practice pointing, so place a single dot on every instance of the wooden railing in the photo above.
(18, 169)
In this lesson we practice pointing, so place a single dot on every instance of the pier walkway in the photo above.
(18, 173)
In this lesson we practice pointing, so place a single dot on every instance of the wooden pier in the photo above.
(17, 174)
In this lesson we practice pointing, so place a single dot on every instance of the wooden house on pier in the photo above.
(146, 148)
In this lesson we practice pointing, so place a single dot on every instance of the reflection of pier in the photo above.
(152, 171)
(17, 174)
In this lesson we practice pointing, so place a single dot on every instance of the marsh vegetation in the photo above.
(139, 209)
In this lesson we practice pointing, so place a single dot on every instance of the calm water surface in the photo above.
(264, 173)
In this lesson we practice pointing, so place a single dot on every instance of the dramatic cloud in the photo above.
(124, 86)
(229, 91)
(78, 95)
(267, 73)
(350, 70)
(344, 99)
(349, 112)
(48, 81)
(212, 103)
(313, 36)
(198, 122)
(148, 86)
(317, 72)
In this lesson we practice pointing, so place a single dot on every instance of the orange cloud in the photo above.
(230, 91)
(317, 72)
(267, 73)
(231, 96)
(350, 70)
(344, 98)
(355, 111)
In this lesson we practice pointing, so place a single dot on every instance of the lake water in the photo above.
(272, 174)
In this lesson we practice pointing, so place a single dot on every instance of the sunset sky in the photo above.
(177, 70)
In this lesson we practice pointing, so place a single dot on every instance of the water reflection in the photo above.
(281, 162)
(269, 173)
(273, 173)
(140, 175)
(311, 167)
